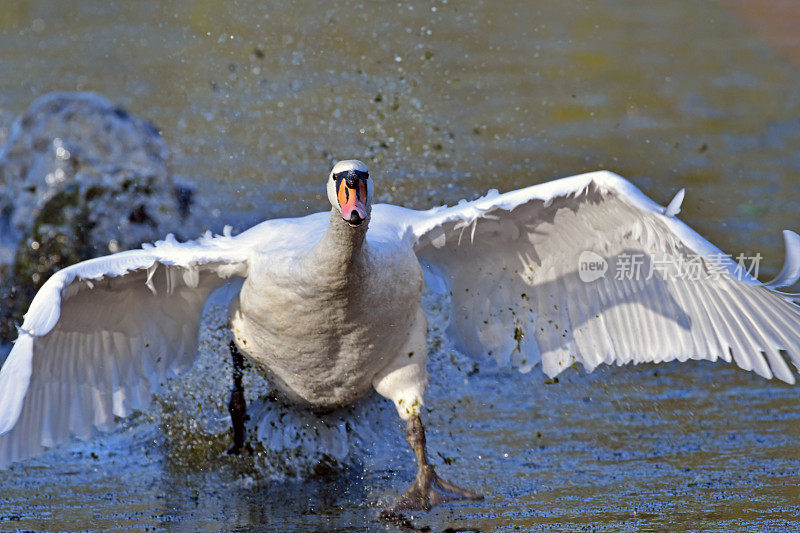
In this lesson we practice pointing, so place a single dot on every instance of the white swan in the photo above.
(331, 310)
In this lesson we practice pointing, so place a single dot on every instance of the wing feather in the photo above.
(101, 335)
(511, 266)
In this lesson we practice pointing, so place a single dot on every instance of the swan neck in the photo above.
(342, 243)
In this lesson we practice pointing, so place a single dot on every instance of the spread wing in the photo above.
(101, 335)
(588, 269)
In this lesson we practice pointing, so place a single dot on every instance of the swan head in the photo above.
(350, 191)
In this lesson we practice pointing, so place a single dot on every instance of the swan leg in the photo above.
(428, 489)
(237, 406)
(403, 381)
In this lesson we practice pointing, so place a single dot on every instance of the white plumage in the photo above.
(101, 335)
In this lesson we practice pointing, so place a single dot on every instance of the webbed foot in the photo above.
(428, 489)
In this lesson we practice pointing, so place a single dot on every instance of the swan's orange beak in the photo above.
(352, 194)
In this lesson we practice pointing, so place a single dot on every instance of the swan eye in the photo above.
(357, 173)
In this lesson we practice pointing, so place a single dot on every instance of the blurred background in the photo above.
(445, 100)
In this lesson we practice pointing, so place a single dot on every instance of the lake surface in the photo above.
(443, 101)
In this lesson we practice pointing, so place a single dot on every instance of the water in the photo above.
(257, 100)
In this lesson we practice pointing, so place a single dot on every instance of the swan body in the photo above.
(360, 312)
(329, 306)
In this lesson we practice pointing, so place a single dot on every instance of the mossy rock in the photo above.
(80, 178)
